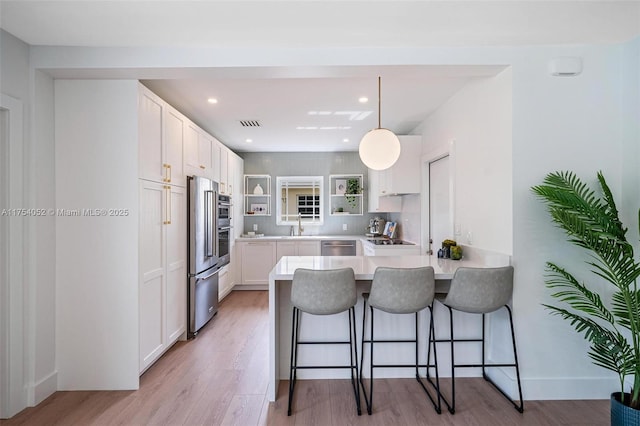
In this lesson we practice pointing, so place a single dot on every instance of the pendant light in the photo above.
(379, 148)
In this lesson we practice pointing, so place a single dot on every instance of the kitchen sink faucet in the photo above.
(300, 228)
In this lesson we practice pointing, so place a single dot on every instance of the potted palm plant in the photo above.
(612, 327)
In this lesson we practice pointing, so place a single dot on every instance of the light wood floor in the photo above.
(220, 378)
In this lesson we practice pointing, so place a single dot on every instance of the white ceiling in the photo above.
(282, 104)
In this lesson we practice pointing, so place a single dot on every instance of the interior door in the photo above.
(439, 214)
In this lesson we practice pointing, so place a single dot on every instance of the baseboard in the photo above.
(555, 388)
(42, 389)
(242, 287)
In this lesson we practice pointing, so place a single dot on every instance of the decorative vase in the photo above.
(258, 190)
(456, 252)
(621, 414)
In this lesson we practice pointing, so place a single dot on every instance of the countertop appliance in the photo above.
(376, 225)
(203, 252)
(338, 248)
(388, 242)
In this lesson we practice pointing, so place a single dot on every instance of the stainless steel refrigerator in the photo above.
(202, 293)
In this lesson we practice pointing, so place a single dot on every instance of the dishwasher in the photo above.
(338, 248)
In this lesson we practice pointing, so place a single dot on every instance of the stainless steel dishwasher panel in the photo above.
(338, 248)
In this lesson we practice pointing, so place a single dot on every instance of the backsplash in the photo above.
(307, 164)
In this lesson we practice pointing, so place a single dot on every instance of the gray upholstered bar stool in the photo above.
(481, 291)
(323, 292)
(400, 291)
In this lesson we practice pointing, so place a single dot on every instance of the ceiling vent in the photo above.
(249, 123)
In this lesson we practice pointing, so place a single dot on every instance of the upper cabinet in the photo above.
(161, 139)
(404, 176)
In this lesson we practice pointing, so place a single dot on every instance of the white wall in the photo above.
(35, 189)
(478, 119)
(97, 257)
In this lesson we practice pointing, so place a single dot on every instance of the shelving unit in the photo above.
(341, 199)
(256, 203)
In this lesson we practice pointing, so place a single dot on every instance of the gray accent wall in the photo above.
(307, 164)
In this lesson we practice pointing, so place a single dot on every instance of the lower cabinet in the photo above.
(225, 281)
(297, 248)
(163, 274)
(258, 259)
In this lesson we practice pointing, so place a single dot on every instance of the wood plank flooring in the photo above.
(220, 378)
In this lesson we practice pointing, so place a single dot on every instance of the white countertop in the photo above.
(365, 266)
(301, 238)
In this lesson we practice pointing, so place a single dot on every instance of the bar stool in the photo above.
(481, 291)
(400, 291)
(323, 292)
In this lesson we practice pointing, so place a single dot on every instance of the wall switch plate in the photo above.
(344, 226)
(255, 226)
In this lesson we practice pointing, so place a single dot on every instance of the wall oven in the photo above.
(224, 229)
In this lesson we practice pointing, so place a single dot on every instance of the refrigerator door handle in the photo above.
(209, 229)
(215, 228)
(208, 276)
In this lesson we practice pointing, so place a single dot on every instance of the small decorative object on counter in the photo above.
(446, 248)
(258, 190)
(440, 254)
(456, 252)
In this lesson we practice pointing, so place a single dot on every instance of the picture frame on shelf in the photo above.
(259, 208)
(341, 186)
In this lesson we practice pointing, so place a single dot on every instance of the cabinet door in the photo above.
(176, 261)
(377, 202)
(204, 154)
(258, 259)
(308, 248)
(174, 138)
(150, 136)
(215, 161)
(191, 151)
(224, 282)
(152, 272)
(285, 248)
(224, 170)
(404, 176)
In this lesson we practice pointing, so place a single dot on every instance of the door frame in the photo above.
(13, 394)
(435, 154)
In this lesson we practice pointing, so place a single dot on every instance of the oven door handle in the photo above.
(224, 228)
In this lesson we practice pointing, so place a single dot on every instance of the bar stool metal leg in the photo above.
(371, 341)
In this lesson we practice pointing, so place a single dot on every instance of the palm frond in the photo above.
(576, 295)
(592, 223)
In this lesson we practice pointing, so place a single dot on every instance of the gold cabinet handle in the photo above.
(202, 167)
(230, 189)
(168, 206)
(165, 166)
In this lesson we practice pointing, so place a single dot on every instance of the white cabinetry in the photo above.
(377, 203)
(225, 281)
(224, 170)
(404, 176)
(297, 248)
(258, 259)
(161, 134)
(162, 260)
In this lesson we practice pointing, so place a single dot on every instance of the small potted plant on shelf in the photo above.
(591, 222)
(353, 188)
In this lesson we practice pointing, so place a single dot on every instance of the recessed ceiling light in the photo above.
(212, 100)
(345, 140)
(249, 140)
(363, 99)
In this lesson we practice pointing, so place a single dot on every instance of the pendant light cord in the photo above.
(379, 102)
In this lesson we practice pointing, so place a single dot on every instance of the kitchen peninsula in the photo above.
(331, 327)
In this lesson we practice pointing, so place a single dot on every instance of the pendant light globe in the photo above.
(379, 149)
